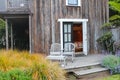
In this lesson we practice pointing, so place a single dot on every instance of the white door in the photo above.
(85, 38)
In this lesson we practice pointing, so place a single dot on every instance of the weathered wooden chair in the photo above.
(69, 50)
(55, 53)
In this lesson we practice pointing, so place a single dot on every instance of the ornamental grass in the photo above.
(35, 65)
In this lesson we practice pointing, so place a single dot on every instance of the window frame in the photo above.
(78, 4)
(67, 32)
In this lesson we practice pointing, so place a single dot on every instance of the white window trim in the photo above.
(84, 27)
(79, 3)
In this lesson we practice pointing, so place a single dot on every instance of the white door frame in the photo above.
(84, 28)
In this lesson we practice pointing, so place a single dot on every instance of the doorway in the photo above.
(69, 38)
(78, 37)
(19, 38)
(72, 33)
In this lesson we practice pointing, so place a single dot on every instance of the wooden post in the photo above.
(61, 34)
(53, 23)
(11, 37)
(7, 42)
(30, 34)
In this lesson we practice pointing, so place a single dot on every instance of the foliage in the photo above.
(2, 33)
(111, 62)
(115, 7)
(33, 64)
(106, 26)
(116, 70)
(106, 41)
(15, 74)
(2, 24)
(114, 20)
(113, 77)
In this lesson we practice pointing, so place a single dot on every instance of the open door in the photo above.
(78, 37)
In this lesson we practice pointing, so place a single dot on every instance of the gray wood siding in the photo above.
(116, 34)
(47, 12)
(2, 5)
(14, 6)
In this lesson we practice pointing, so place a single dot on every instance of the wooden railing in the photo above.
(17, 4)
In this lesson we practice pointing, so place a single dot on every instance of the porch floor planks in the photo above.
(84, 60)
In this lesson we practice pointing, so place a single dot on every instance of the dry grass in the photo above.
(35, 64)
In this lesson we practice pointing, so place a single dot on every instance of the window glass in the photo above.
(69, 28)
(65, 37)
(73, 2)
(65, 28)
(69, 37)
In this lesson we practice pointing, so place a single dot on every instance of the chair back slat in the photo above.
(69, 47)
(55, 48)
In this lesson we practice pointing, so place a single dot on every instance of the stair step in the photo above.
(82, 67)
(89, 71)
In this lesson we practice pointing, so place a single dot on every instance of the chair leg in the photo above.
(60, 61)
(72, 58)
(64, 62)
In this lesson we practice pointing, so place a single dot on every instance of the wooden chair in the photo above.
(55, 53)
(69, 50)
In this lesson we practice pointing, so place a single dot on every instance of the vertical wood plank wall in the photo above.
(47, 12)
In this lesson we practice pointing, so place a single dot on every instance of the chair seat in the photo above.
(68, 53)
(55, 53)
(56, 57)
(69, 50)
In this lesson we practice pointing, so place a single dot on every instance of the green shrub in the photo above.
(106, 42)
(24, 66)
(15, 74)
(111, 61)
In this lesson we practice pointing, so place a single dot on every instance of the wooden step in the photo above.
(82, 67)
(89, 71)
(93, 71)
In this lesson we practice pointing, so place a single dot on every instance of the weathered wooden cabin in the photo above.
(36, 24)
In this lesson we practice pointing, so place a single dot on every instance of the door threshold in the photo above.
(79, 54)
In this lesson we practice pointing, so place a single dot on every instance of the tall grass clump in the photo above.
(25, 66)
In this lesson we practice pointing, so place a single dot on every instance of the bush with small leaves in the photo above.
(111, 62)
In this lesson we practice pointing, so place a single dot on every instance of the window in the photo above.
(67, 32)
(73, 2)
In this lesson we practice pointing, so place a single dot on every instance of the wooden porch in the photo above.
(88, 65)
(84, 60)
